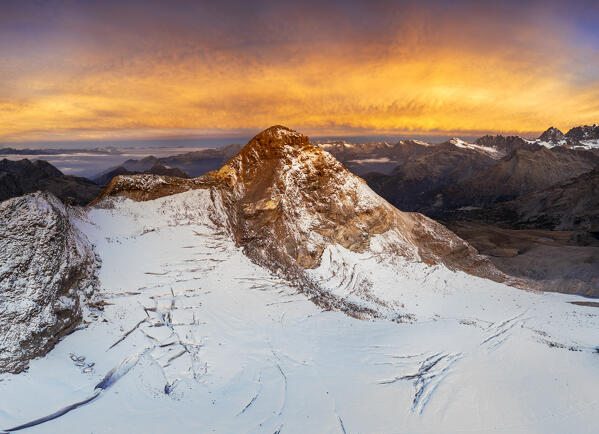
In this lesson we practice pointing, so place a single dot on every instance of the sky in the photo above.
(144, 70)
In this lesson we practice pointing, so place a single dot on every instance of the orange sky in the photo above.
(143, 72)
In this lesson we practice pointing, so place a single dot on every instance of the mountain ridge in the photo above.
(24, 176)
(286, 200)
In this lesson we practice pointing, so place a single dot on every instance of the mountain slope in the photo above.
(414, 185)
(46, 270)
(286, 200)
(24, 176)
(192, 337)
(570, 205)
(520, 173)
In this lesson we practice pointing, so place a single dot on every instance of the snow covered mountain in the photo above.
(280, 294)
(582, 137)
(285, 200)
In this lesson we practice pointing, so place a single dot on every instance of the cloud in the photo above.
(131, 69)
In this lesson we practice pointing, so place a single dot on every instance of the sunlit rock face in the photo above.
(285, 200)
(46, 269)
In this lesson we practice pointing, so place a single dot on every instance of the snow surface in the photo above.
(421, 143)
(492, 152)
(547, 144)
(588, 144)
(196, 338)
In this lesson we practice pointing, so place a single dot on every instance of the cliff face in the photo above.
(47, 267)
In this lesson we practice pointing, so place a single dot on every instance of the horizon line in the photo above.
(247, 134)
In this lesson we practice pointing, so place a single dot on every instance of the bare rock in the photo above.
(47, 267)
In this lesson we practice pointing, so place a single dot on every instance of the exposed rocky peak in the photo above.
(276, 144)
(47, 267)
(552, 135)
(281, 187)
(286, 200)
(577, 136)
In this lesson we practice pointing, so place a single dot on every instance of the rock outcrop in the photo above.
(552, 135)
(47, 267)
(147, 187)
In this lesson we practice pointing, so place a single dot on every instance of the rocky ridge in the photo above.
(47, 269)
(286, 200)
(25, 176)
(569, 205)
(156, 169)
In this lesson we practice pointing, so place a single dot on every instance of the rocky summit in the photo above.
(286, 199)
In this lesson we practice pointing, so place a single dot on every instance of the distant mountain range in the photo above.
(24, 176)
(443, 180)
(439, 178)
(156, 169)
(192, 164)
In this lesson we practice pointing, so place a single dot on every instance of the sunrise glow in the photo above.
(112, 70)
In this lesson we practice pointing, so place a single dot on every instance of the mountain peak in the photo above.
(277, 137)
(280, 132)
(284, 200)
(552, 135)
(267, 153)
(287, 199)
(587, 132)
